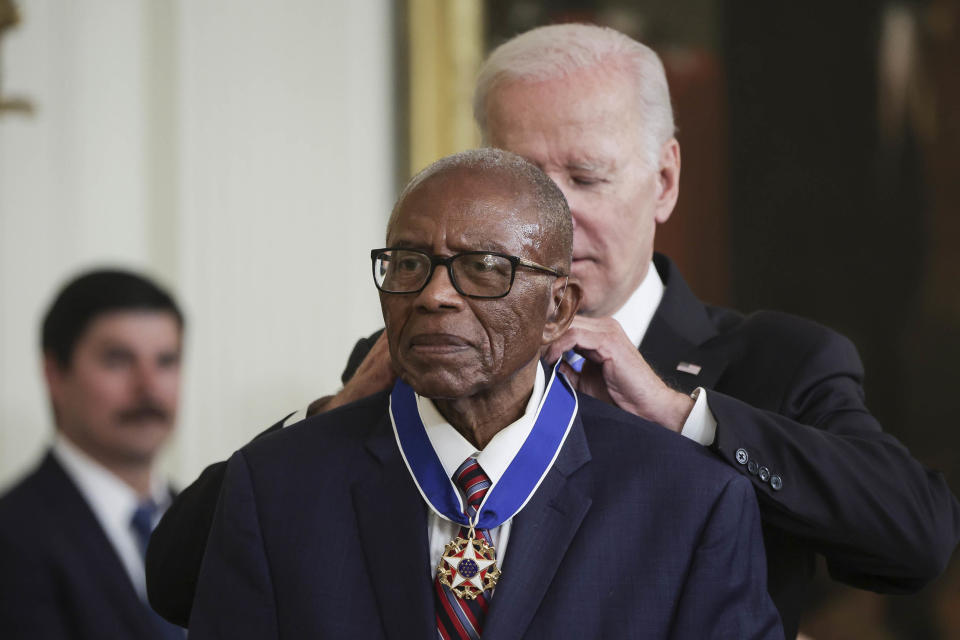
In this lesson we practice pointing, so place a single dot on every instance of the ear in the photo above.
(54, 374)
(564, 304)
(668, 180)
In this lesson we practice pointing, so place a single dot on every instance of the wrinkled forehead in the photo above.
(480, 206)
(590, 101)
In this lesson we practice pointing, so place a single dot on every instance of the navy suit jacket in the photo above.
(786, 391)
(635, 532)
(60, 576)
(787, 395)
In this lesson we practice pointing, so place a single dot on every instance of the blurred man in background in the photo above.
(73, 533)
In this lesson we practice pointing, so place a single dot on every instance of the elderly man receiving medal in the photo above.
(481, 496)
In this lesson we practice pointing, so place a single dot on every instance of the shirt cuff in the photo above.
(701, 426)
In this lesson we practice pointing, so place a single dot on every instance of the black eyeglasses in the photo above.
(475, 274)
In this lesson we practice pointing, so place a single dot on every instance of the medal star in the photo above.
(479, 565)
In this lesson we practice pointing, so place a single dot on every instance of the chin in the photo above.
(438, 391)
(439, 386)
(145, 445)
(587, 307)
(137, 455)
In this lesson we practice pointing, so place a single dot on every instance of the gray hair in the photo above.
(555, 51)
(551, 205)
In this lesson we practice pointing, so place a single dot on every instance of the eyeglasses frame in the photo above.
(435, 261)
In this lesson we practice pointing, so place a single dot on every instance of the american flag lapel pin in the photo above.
(689, 367)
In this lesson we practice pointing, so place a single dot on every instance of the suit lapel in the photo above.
(392, 520)
(677, 335)
(539, 537)
(94, 548)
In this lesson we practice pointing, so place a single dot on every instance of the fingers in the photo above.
(572, 375)
(374, 374)
(379, 351)
(560, 346)
(381, 343)
(377, 361)
(597, 339)
(614, 370)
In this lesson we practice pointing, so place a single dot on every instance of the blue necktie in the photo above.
(142, 525)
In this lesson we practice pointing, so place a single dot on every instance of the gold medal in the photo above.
(468, 567)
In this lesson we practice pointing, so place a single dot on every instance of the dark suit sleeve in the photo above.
(235, 597)
(852, 492)
(725, 593)
(178, 543)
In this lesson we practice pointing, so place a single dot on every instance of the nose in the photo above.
(439, 292)
(145, 378)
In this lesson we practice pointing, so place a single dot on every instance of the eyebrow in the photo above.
(114, 351)
(112, 344)
(591, 164)
(168, 357)
(486, 245)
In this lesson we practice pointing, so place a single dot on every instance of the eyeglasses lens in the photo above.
(474, 274)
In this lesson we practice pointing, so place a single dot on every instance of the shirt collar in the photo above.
(110, 498)
(452, 448)
(637, 312)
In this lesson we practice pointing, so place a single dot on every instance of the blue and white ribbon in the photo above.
(523, 475)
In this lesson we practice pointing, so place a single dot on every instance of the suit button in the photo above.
(764, 473)
(753, 467)
(742, 456)
(776, 483)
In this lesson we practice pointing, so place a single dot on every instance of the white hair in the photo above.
(558, 50)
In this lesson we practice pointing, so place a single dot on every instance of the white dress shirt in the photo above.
(113, 502)
(634, 317)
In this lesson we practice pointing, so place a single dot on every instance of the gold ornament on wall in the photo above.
(445, 40)
(10, 18)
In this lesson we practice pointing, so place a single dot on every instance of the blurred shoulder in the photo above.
(778, 339)
(324, 436)
(770, 325)
(27, 509)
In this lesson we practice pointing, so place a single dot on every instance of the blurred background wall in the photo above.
(247, 153)
(241, 152)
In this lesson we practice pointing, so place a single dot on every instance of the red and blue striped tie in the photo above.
(457, 618)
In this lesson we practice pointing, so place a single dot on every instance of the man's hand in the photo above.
(374, 374)
(615, 372)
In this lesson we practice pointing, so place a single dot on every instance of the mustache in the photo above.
(146, 410)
